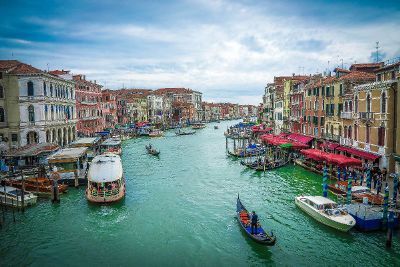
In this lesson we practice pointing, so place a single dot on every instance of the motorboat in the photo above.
(326, 211)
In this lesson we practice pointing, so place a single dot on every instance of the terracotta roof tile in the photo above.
(8, 64)
(358, 75)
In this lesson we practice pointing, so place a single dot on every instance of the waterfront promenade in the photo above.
(179, 210)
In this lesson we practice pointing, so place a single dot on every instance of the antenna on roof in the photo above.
(377, 51)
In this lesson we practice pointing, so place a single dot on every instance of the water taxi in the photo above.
(106, 182)
(40, 186)
(326, 211)
(181, 132)
(112, 145)
(12, 196)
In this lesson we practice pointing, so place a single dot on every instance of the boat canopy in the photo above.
(86, 141)
(329, 145)
(105, 168)
(111, 142)
(332, 158)
(282, 142)
(260, 129)
(319, 200)
(67, 154)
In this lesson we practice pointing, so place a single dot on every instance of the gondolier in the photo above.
(254, 221)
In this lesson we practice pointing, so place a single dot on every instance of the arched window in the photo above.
(368, 103)
(356, 104)
(2, 116)
(44, 88)
(349, 132)
(30, 89)
(51, 89)
(381, 135)
(383, 103)
(45, 112)
(1, 92)
(345, 131)
(346, 106)
(31, 113)
(350, 106)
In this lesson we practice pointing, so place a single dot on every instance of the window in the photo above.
(309, 92)
(341, 90)
(332, 109)
(30, 88)
(1, 75)
(383, 103)
(381, 135)
(367, 132)
(44, 89)
(2, 116)
(368, 103)
(1, 92)
(350, 106)
(327, 109)
(322, 91)
(322, 121)
(31, 113)
(51, 89)
(356, 104)
(393, 75)
(14, 137)
(355, 132)
(327, 91)
(317, 91)
(333, 91)
(379, 77)
(349, 132)
(340, 108)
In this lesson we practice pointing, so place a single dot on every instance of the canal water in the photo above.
(180, 211)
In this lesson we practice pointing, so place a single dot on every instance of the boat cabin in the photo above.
(30, 155)
(92, 144)
(71, 164)
(112, 145)
(319, 203)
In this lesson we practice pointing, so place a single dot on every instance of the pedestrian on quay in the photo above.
(254, 222)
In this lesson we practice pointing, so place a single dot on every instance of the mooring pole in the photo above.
(22, 193)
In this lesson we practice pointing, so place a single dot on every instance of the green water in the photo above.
(180, 211)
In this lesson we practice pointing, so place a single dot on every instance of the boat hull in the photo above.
(106, 199)
(321, 218)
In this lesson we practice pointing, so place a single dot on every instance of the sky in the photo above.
(229, 50)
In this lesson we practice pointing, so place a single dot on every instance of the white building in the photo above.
(46, 107)
(155, 108)
(278, 116)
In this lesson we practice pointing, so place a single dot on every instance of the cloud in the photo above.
(227, 49)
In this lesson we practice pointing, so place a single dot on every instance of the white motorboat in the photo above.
(326, 211)
(106, 182)
(12, 196)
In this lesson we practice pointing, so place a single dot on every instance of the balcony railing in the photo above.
(366, 116)
(346, 141)
(332, 137)
(346, 115)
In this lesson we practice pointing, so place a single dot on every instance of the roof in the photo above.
(300, 138)
(366, 65)
(17, 67)
(341, 70)
(358, 75)
(85, 141)
(68, 153)
(319, 200)
(33, 150)
(105, 168)
(59, 72)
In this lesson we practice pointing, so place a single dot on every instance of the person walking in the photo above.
(254, 222)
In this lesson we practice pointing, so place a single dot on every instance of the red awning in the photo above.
(328, 145)
(359, 153)
(283, 135)
(260, 129)
(300, 138)
(332, 158)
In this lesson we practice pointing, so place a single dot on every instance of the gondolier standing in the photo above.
(254, 221)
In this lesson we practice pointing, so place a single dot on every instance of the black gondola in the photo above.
(179, 132)
(261, 236)
(260, 167)
(152, 151)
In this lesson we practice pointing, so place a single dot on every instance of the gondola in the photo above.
(243, 217)
(152, 151)
(179, 132)
(260, 167)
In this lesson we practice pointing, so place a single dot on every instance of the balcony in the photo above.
(332, 137)
(346, 115)
(366, 116)
(346, 141)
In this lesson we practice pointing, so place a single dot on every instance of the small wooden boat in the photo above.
(180, 132)
(358, 192)
(326, 211)
(198, 126)
(39, 186)
(216, 127)
(156, 133)
(12, 196)
(265, 166)
(243, 217)
(152, 151)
